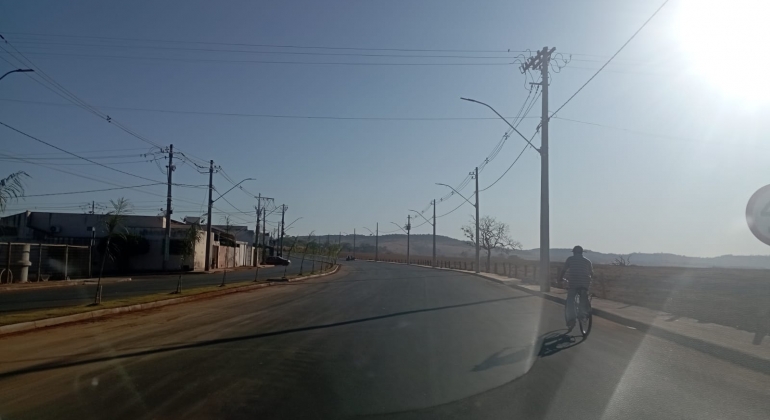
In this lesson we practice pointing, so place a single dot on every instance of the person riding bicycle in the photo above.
(580, 272)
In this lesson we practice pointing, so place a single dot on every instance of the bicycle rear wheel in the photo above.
(584, 318)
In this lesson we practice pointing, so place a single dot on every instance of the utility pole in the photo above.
(256, 232)
(376, 242)
(478, 240)
(167, 241)
(207, 263)
(93, 207)
(283, 212)
(354, 242)
(541, 62)
(408, 229)
(434, 233)
(264, 225)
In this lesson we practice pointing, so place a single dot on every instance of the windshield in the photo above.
(384, 209)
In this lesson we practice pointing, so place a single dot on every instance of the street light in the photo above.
(16, 71)
(476, 205)
(408, 228)
(434, 230)
(376, 240)
(207, 263)
(545, 229)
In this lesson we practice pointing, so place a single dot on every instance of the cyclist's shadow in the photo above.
(556, 341)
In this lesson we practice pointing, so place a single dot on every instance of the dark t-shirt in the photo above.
(579, 271)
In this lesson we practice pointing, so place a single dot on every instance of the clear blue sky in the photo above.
(682, 191)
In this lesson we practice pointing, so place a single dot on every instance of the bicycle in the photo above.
(583, 315)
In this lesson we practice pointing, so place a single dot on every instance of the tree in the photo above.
(115, 229)
(493, 235)
(622, 261)
(11, 188)
(191, 237)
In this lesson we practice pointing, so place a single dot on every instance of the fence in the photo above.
(515, 268)
(21, 262)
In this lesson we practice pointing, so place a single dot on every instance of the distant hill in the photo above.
(451, 247)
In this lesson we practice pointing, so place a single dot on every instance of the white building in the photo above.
(228, 250)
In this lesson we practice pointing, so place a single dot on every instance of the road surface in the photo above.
(375, 341)
(52, 297)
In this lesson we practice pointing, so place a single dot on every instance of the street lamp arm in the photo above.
(399, 226)
(506, 121)
(287, 227)
(16, 71)
(422, 216)
(458, 193)
(222, 195)
(369, 230)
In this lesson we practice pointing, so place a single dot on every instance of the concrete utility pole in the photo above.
(408, 229)
(434, 233)
(283, 213)
(256, 231)
(478, 240)
(433, 263)
(207, 263)
(376, 241)
(167, 241)
(354, 242)
(542, 62)
(264, 225)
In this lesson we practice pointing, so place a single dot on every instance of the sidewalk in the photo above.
(59, 283)
(107, 280)
(751, 350)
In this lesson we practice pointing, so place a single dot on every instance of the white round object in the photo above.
(758, 214)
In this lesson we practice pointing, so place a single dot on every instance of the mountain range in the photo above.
(455, 248)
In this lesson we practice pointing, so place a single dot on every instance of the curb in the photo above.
(737, 357)
(100, 313)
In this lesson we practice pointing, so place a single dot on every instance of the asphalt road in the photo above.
(379, 341)
(52, 297)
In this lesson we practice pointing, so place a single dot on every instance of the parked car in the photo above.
(277, 261)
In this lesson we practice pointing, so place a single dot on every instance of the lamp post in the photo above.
(17, 71)
(476, 206)
(208, 222)
(433, 262)
(408, 229)
(376, 239)
(545, 229)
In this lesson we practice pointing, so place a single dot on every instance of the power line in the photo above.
(610, 59)
(288, 46)
(203, 60)
(263, 52)
(73, 154)
(278, 116)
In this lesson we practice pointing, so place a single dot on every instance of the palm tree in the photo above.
(189, 241)
(115, 229)
(11, 188)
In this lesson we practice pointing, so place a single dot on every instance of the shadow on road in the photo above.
(556, 341)
(64, 364)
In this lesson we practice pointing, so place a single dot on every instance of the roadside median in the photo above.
(31, 320)
(748, 349)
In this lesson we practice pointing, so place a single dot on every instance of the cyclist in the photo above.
(580, 272)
